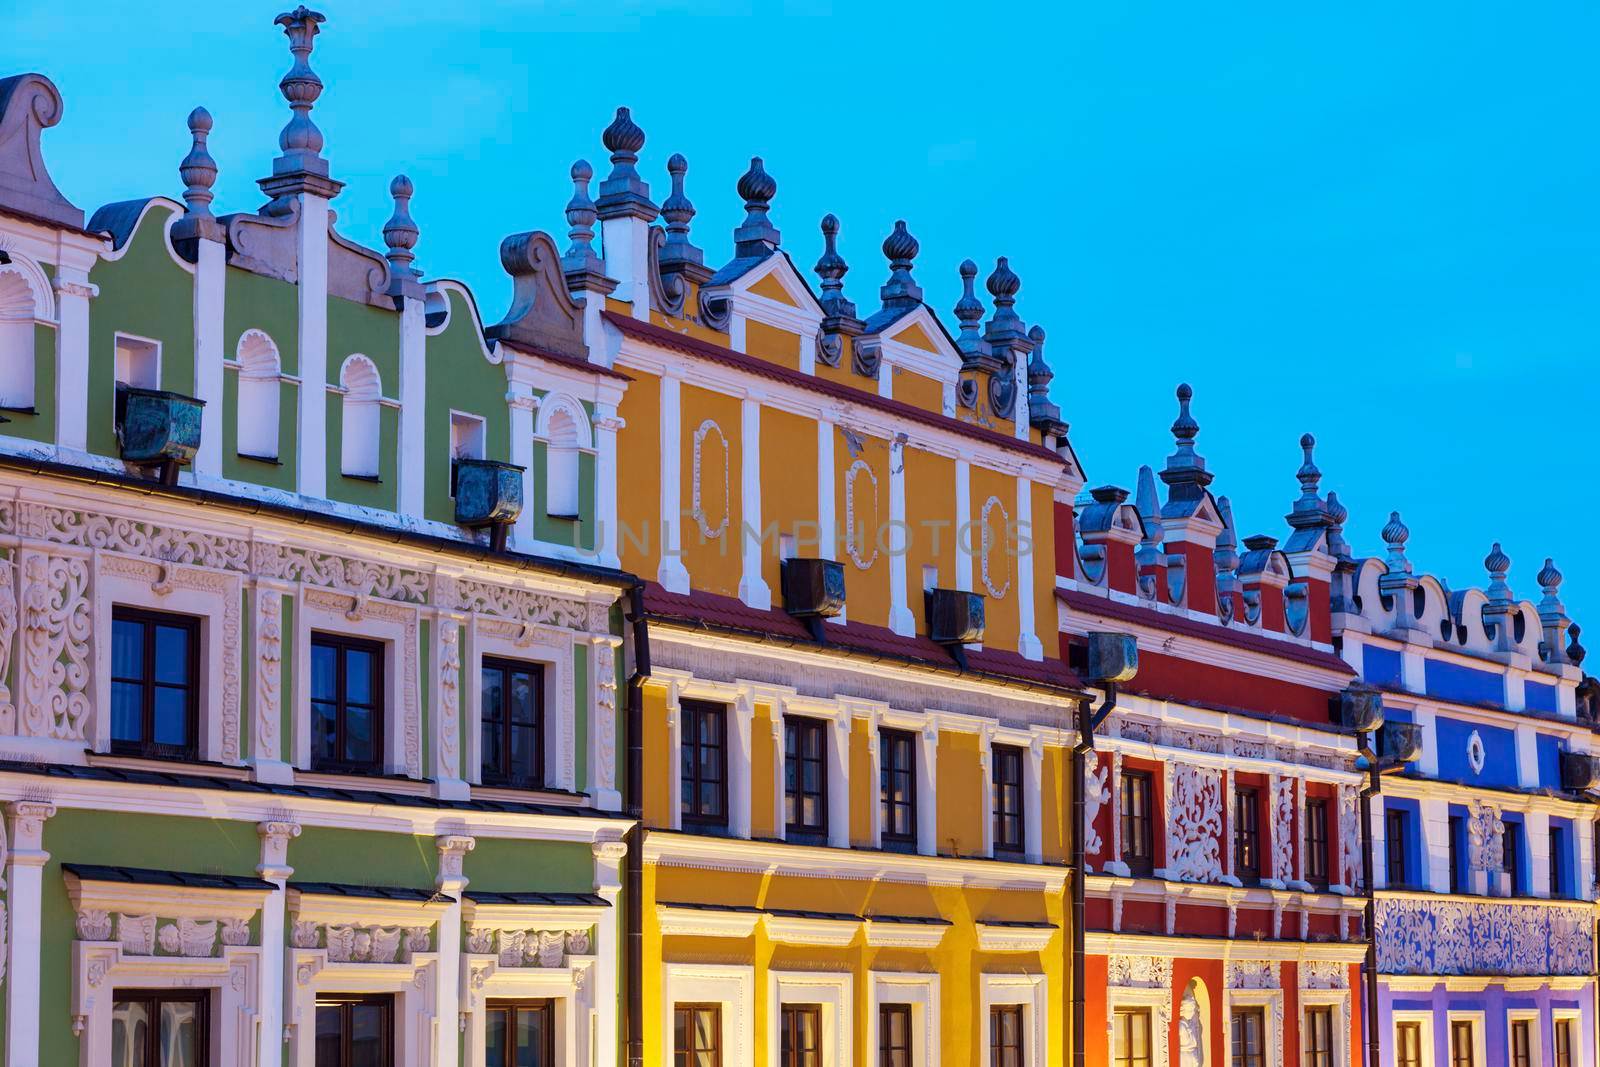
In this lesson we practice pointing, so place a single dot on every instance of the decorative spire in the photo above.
(400, 233)
(756, 236)
(832, 268)
(580, 255)
(1337, 514)
(1148, 504)
(678, 212)
(1005, 326)
(901, 291)
(1395, 534)
(1185, 473)
(624, 193)
(198, 170)
(1549, 579)
(300, 140)
(1226, 554)
(1308, 474)
(1498, 564)
(1042, 414)
(969, 312)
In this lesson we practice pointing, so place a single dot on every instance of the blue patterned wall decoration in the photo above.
(1458, 937)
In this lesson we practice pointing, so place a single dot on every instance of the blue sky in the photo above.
(1379, 223)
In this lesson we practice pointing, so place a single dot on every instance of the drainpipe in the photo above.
(1369, 967)
(633, 862)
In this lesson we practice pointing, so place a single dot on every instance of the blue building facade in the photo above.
(1483, 832)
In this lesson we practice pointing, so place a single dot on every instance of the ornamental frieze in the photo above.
(528, 948)
(1458, 937)
(148, 935)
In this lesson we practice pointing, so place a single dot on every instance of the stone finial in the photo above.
(1309, 515)
(198, 170)
(832, 268)
(1185, 473)
(1337, 514)
(756, 236)
(400, 233)
(300, 140)
(1185, 428)
(1498, 564)
(624, 193)
(1005, 325)
(580, 255)
(1042, 413)
(1226, 554)
(1395, 534)
(679, 213)
(1148, 504)
(1575, 651)
(969, 312)
(1308, 474)
(1549, 578)
(901, 291)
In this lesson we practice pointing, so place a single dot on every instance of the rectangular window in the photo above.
(1458, 831)
(897, 785)
(519, 1033)
(1131, 1038)
(1521, 1043)
(160, 1028)
(155, 684)
(1005, 1036)
(512, 729)
(1563, 1043)
(894, 1035)
(346, 704)
(704, 753)
(1511, 858)
(697, 1035)
(800, 1036)
(1462, 1053)
(805, 778)
(1408, 1044)
(1249, 1037)
(466, 441)
(1318, 1038)
(1558, 862)
(1395, 826)
(138, 362)
(1008, 816)
(1317, 842)
(355, 1031)
(1138, 839)
(1247, 835)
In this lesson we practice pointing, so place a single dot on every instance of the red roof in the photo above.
(567, 361)
(1092, 604)
(693, 346)
(712, 611)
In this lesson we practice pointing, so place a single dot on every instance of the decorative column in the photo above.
(602, 784)
(608, 856)
(199, 237)
(1033, 803)
(25, 894)
(927, 775)
(739, 742)
(827, 532)
(670, 572)
(450, 780)
(1027, 638)
(73, 293)
(274, 867)
(901, 620)
(673, 760)
(626, 212)
(1115, 865)
(606, 425)
(452, 882)
(965, 531)
(753, 588)
(266, 691)
(839, 771)
(400, 235)
(780, 768)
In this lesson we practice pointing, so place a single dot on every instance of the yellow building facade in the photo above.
(854, 806)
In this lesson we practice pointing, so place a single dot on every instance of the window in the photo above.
(17, 310)
(1563, 1043)
(1511, 857)
(1408, 1044)
(360, 430)
(1247, 835)
(466, 441)
(561, 464)
(697, 1035)
(159, 1028)
(1317, 842)
(894, 1035)
(1462, 1054)
(1005, 1036)
(800, 1038)
(155, 684)
(1521, 1043)
(1458, 830)
(1395, 827)
(1138, 848)
(346, 704)
(138, 362)
(355, 1031)
(704, 754)
(259, 372)
(1131, 1038)
(898, 789)
(1008, 824)
(512, 731)
(519, 1033)
(805, 778)
(1318, 1038)
(1558, 862)
(1249, 1037)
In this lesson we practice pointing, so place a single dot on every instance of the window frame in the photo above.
(1523, 1027)
(997, 1048)
(1396, 842)
(1137, 783)
(1312, 1055)
(886, 1050)
(1556, 861)
(505, 778)
(789, 1056)
(158, 996)
(1002, 755)
(1245, 1057)
(345, 1001)
(1423, 1053)
(513, 1005)
(796, 728)
(692, 714)
(1316, 837)
(1247, 834)
(1569, 1023)
(691, 1054)
(890, 741)
(342, 643)
(149, 619)
(1511, 857)
(1124, 1057)
(1457, 830)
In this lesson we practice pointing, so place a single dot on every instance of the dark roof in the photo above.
(713, 611)
(565, 900)
(693, 346)
(1019, 924)
(1091, 604)
(802, 913)
(372, 892)
(91, 872)
(185, 780)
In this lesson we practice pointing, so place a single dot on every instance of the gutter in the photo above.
(1369, 967)
(633, 862)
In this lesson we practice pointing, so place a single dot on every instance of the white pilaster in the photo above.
(24, 895)
(73, 293)
(606, 425)
(901, 620)
(274, 867)
(209, 276)
(608, 857)
(1033, 803)
(839, 771)
(674, 759)
(986, 790)
(1527, 756)
(448, 698)
(780, 770)
(965, 532)
(927, 796)
(740, 738)
(312, 420)
(827, 535)
(1027, 639)
(413, 406)
(522, 405)
(753, 588)
(625, 241)
(451, 881)
(1429, 763)
(671, 572)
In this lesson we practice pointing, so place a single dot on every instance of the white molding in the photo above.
(798, 930)
(232, 978)
(992, 938)
(311, 249)
(705, 922)
(731, 985)
(1029, 990)
(833, 992)
(571, 988)
(921, 992)
(925, 936)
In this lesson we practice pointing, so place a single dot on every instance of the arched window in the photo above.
(358, 454)
(259, 369)
(565, 429)
(17, 313)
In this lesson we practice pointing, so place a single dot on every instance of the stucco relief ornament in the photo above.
(707, 530)
(605, 700)
(137, 933)
(552, 947)
(269, 658)
(1191, 1031)
(1283, 829)
(57, 624)
(1485, 838)
(189, 937)
(94, 925)
(997, 591)
(1196, 825)
(8, 633)
(1096, 793)
(306, 934)
(1475, 752)
(1349, 838)
(854, 534)
(480, 941)
(449, 695)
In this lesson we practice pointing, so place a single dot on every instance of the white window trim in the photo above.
(728, 984)
(1536, 1037)
(1032, 745)
(459, 416)
(1157, 1001)
(1424, 1021)
(832, 991)
(740, 702)
(123, 335)
(921, 992)
(838, 763)
(1029, 990)
(272, 381)
(1480, 1056)
(1339, 1001)
(548, 647)
(570, 988)
(399, 641)
(1575, 1017)
(1270, 1001)
(927, 759)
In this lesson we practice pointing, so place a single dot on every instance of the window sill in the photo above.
(372, 479)
(563, 518)
(270, 460)
(18, 411)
